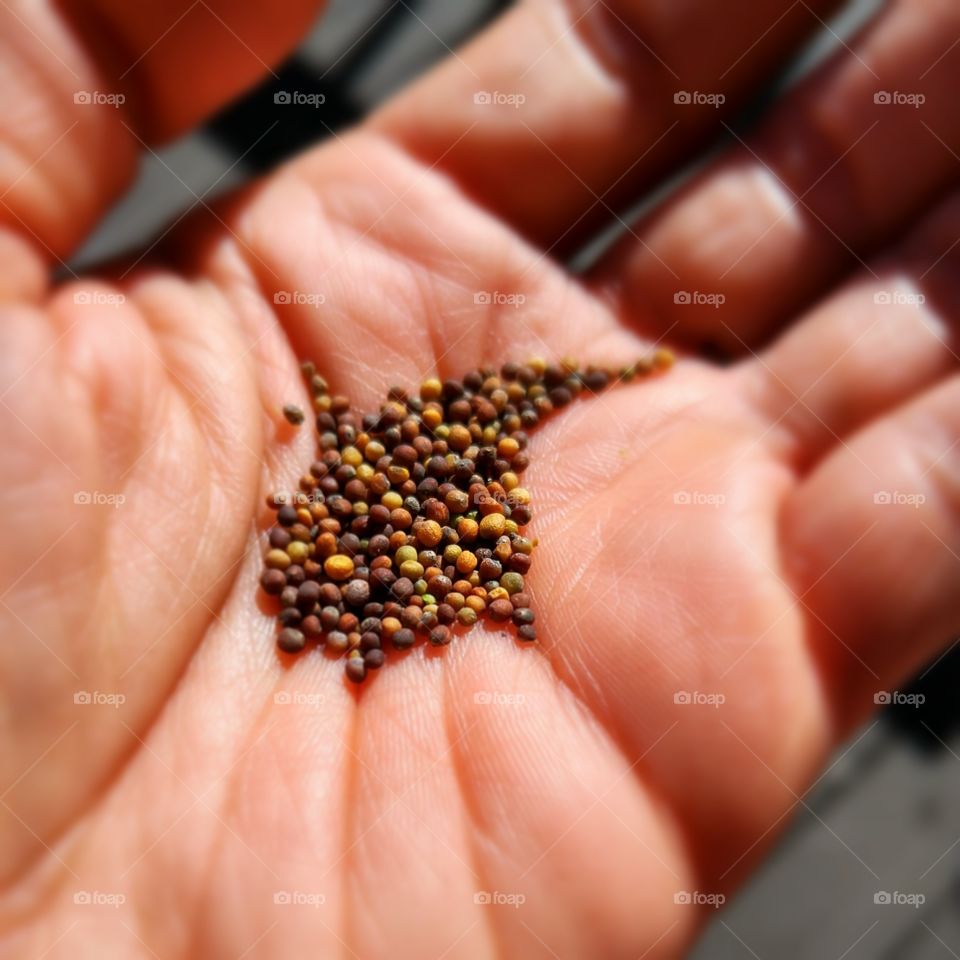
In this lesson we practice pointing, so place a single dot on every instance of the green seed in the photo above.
(512, 582)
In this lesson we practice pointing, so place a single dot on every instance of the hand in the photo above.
(734, 560)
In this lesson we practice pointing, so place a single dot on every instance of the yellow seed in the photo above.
(663, 358)
(455, 599)
(511, 527)
(538, 365)
(374, 450)
(351, 456)
(509, 480)
(493, 526)
(365, 472)
(277, 559)
(338, 567)
(467, 561)
(520, 495)
(298, 551)
(508, 448)
(498, 593)
(392, 500)
(432, 418)
(477, 604)
(431, 389)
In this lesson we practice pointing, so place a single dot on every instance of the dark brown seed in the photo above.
(355, 669)
(287, 515)
(527, 632)
(329, 618)
(279, 538)
(329, 594)
(311, 626)
(446, 613)
(373, 659)
(523, 615)
(290, 617)
(291, 640)
(404, 638)
(440, 636)
(293, 414)
(369, 641)
(273, 581)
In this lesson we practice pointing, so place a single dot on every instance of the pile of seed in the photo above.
(410, 521)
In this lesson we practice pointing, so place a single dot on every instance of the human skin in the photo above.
(719, 530)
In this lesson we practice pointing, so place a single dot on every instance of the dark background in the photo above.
(885, 816)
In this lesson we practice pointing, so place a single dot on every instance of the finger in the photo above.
(582, 110)
(876, 535)
(884, 337)
(80, 103)
(822, 183)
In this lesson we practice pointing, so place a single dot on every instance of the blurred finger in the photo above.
(561, 110)
(79, 85)
(842, 166)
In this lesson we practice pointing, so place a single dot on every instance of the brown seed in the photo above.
(404, 638)
(355, 669)
(291, 640)
(273, 581)
(440, 636)
(527, 632)
(293, 414)
(501, 610)
(373, 659)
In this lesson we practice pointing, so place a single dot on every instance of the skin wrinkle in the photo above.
(472, 824)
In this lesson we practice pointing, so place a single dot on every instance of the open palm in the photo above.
(723, 582)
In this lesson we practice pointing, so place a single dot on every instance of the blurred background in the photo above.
(884, 817)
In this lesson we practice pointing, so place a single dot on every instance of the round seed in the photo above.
(404, 638)
(355, 669)
(492, 526)
(501, 610)
(273, 581)
(338, 567)
(291, 640)
(293, 414)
